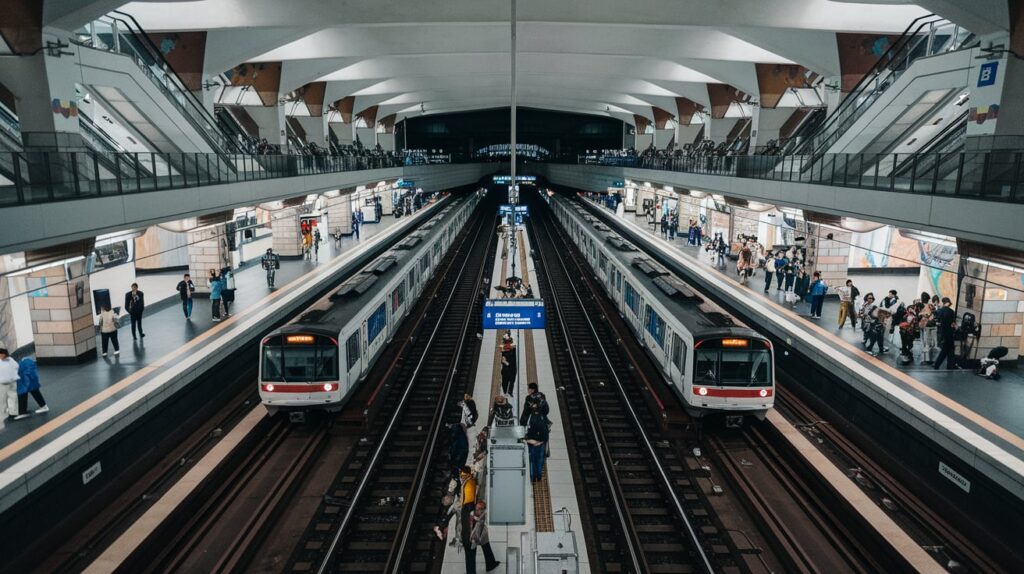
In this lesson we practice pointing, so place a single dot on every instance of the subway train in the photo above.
(712, 361)
(316, 361)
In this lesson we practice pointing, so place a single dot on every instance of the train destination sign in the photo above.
(514, 314)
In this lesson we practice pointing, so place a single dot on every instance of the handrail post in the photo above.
(935, 172)
(19, 186)
(117, 172)
(49, 175)
(74, 173)
(959, 175)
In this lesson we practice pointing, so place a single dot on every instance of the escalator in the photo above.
(926, 36)
(809, 124)
(229, 124)
(943, 151)
(118, 33)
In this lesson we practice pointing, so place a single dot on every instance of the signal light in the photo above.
(702, 391)
(328, 387)
(269, 388)
(764, 392)
(299, 339)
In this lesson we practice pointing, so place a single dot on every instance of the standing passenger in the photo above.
(945, 323)
(9, 383)
(134, 304)
(108, 330)
(186, 288)
(537, 434)
(818, 290)
(216, 288)
(227, 295)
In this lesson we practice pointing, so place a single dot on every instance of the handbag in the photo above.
(791, 297)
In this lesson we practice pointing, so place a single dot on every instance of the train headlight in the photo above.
(764, 392)
(329, 387)
(270, 388)
(702, 391)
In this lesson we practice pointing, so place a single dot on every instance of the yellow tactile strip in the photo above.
(542, 517)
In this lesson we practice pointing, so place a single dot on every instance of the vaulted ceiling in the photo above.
(608, 57)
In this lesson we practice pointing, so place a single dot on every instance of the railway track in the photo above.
(646, 512)
(391, 483)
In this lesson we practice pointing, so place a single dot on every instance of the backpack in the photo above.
(770, 266)
(968, 326)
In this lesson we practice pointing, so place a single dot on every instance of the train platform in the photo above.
(976, 419)
(557, 491)
(91, 402)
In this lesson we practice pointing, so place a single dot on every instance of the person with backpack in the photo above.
(227, 295)
(479, 538)
(535, 401)
(945, 324)
(892, 305)
(781, 269)
(537, 435)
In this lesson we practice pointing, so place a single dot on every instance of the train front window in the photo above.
(300, 363)
(732, 368)
(745, 368)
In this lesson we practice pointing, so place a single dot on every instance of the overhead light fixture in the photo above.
(1002, 266)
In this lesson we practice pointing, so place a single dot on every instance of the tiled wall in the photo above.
(339, 214)
(62, 315)
(287, 236)
(207, 249)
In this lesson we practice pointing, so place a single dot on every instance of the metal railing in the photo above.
(46, 176)
(994, 175)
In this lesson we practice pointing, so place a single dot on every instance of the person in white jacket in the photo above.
(9, 382)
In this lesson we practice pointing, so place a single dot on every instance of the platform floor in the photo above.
(75, 391)
(558, 490)
(993, 408)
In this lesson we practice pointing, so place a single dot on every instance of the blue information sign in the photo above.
(406, 183)
(514, 314)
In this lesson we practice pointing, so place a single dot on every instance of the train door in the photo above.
(677, 366)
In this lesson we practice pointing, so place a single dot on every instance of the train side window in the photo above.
(352, 350)
(397, 297)
(412, 278)
(655, 325)
(602, 262)
(376, 323)
(632, 299)
(678, 352)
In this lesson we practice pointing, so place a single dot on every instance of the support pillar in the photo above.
(287, 233)
(833, 256)
(62, 314)
(999, 311)
(339, 214)
(207, 249)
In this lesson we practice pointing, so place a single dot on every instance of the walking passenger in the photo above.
(801, 286)
(134, 304)
(846, 299)
(818, 290)
(216, 287)
(186, 288)
(458, 448)
(108, 330)
(9, 383)
(28, 383)
(479, 537)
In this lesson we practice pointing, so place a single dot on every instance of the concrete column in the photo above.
(44, 95)
(8, 330)
(999, 311)
(745, 222)
(833, 256)
(339, 214)
(995, 108)
(387, 202)
(717, 130)
(207, 249)
(287, 233)
(62, 315)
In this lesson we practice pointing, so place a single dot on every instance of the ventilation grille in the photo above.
(355, 286)
(410, 242)
(718, 319)
(677, 289)
(381, 266)
(648, 267)
(313, 316)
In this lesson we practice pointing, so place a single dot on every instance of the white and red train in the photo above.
(317, 360)
(712, 361)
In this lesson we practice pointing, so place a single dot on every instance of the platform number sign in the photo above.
(987, 74)
(91, 473)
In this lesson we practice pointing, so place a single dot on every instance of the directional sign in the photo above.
(514, 314)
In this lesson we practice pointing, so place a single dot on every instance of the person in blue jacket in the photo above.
(28, 383)
(818, 290)
(216, 288)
